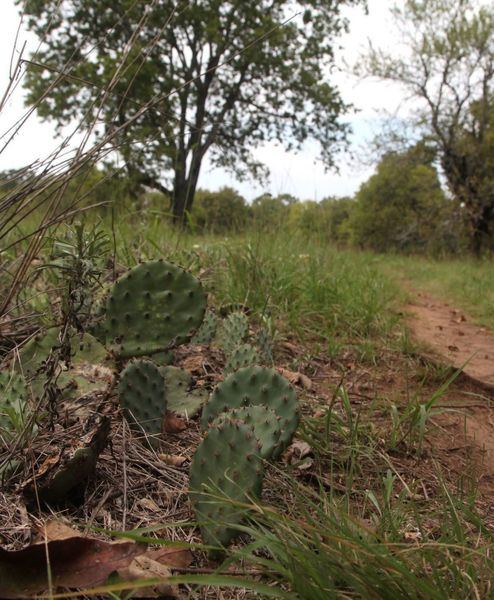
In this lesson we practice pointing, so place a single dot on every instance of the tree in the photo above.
(402, 207)
(446, 62)
(178, 80)
(222, 211)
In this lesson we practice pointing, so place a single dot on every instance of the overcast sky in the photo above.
(298, 174)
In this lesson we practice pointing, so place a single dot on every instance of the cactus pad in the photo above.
(142, 396)
(233, 331)
(206, 332)
(32, 356)
(226, 465)
(244, 355)
(263, 422)
(180, 398)
(254, 386)
(152, 308)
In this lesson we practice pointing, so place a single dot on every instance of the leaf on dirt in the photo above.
(75, 562)
(194, 363)
(453, 348)
(172, 423)
(296, 378)
(178, 558)
(144, 567)
(171, 459)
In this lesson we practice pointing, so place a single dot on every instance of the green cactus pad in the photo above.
(206, 332)
(244, 355)
(181, 399)
(234, 329)
(263, 422)
(226, 465)
(84, 350)
(254, 386)
(152, 308)
(142, 396)
(13, 399)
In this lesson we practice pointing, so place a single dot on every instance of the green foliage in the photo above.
(153, 307)
(328, 219)
(402, 208)
(445, 65)
(223, 211)
(169, 92)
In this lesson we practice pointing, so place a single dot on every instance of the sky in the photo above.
(299, 174)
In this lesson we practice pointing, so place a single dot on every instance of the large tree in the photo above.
(445, 59)
(172, 81)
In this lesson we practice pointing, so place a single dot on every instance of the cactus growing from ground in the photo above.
(180, 398)
(263, 422)
(153, 307)
(206, 332)
(142, 396)
(253, 386)
(244, 355)
(227, 465)
(233, 331)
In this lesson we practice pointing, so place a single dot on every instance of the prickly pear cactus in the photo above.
(84, 350)
(263, 422)
(244, 355)
(234, 329)
(206, 332)
(181, 399)
(226, 464)
(152, 308)
(264, 342)
(142, 396)
(254, 386)
(13, 399)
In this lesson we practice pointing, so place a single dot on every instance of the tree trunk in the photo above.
(480, 230)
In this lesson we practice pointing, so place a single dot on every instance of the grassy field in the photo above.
(352, 519)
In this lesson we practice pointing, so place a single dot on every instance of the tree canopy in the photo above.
(446, 62)
(178, 80)
(402, 208)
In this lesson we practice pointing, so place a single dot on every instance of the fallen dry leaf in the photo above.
(52, 530)
(76, 562)
(171, 459)
(144, 567)
(172, 423)
(171, 556)
(295, 378)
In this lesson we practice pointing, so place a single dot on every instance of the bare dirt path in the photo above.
(450, 335)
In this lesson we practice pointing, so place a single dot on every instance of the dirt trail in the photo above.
(450, 334)
(456, 340)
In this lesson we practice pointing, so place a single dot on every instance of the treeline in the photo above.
(401, 208)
